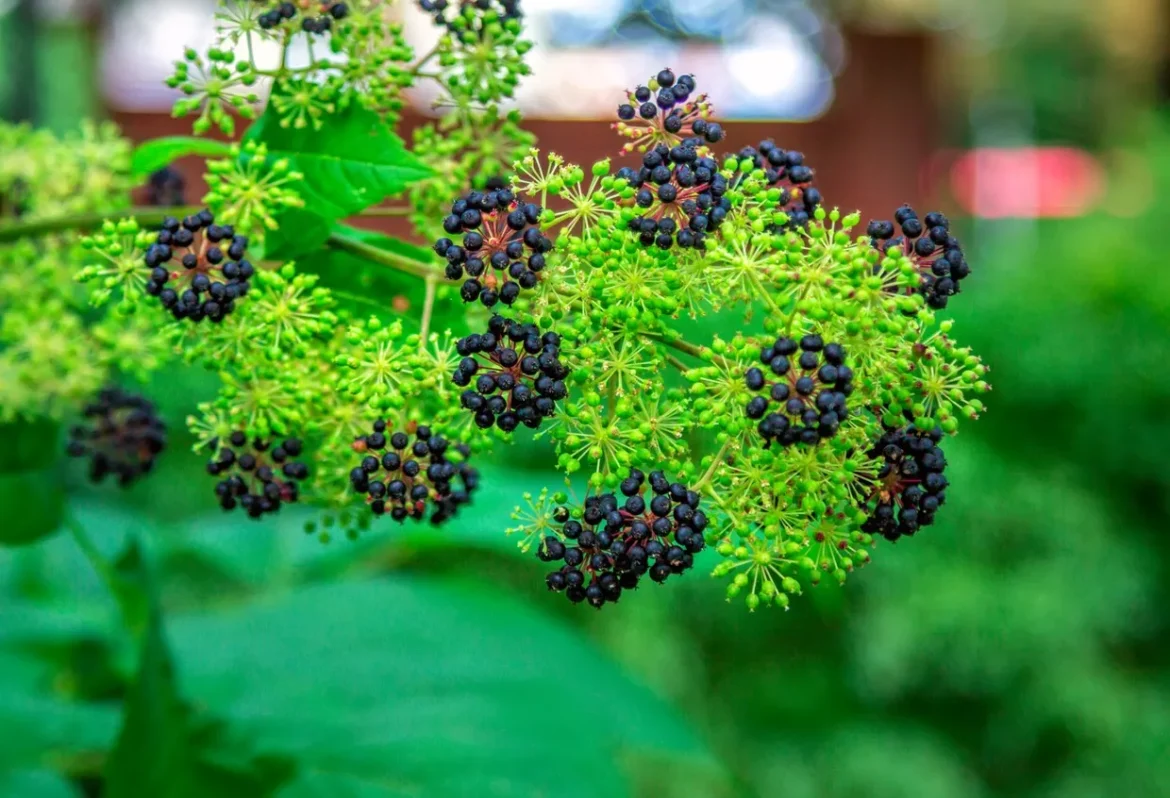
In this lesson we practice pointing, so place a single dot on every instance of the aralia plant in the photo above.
(368, 376)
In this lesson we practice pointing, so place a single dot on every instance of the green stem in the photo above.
(146, 217)
(678, 364)
(428, 308)
(715, 463)
(383, 257)
(685, 346)
(103, 568)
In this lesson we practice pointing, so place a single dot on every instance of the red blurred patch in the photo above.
(1026, 182)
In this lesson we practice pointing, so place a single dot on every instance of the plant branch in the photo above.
(146, 217)
(401, 210)
(685, 346)
(428, 308)
(383, 257)
(715, 463)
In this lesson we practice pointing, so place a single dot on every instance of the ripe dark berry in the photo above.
(503, 249)
(809, 390)
(409, 479)
(121, 435)
(206, 286)
(617, 541)
(929, 245)
(517, 371)
(451, 15)
(255, 478)
(909, 486)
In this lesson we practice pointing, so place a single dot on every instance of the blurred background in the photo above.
(1018, 648)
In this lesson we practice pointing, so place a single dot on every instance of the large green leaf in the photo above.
(412, 687)
(150, 156)
(30, 485)
(163, 748)
(354, 161)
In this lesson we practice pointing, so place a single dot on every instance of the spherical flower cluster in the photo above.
(664, 112)
(503, 249)
(517, 372)
(929, 245)
(322, 23)
(682, 193)
(616, 542)
(259, 477)
(213, 271)
(404, 479)
(122, 436)
(910, 486)
(811, 389)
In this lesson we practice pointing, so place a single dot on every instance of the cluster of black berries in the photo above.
(910, 483)
(683, 193)
(811, 388)
(501, 10)
(322, 23)
(672, 108)
(258, 477)
(617, 541)
(213, 271)
(122, 437)
(404, 478)
(503, 249)
(929, 243)
(166, 187)
(518, 374)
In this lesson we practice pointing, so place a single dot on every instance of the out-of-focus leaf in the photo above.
(412, 687)
(30, 487)
(35, 784)
(163, 749)
(150, 156)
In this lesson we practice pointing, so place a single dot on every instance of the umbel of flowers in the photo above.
(374, 379)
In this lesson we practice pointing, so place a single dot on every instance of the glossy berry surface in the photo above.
(408, 476)
(121, 435)
(257, 476)
(801, 390)
(197, 268)
(502, 250)
(649, 527)
(928, 243)
(680, 194)
(910, 485)
(513, 374)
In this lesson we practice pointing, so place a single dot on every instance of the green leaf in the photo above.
(407, 686)
(35, 784)
(153, 755)
(163, 748)
(50, 728)
(351, 163)
(30, 483)
(150, 156)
